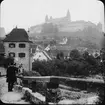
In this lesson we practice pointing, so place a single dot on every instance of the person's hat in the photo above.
(11, 63)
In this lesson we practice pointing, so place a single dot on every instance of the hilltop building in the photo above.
(65, 24)
(17, 45)
(40, 54)
(59, 21)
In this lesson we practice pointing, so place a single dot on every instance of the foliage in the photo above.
(74, 54)
(2, 59)
(101, 95)
(7, 61)
(39, 85)
(79, 65)
(31, 73)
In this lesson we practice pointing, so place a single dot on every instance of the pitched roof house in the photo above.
(17, 45)
(41, 54)
(17, 35)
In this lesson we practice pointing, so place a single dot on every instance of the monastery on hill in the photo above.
(59, 21)
(65, 24)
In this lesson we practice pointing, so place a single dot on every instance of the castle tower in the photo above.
(68, 15)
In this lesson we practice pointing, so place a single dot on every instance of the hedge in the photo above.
(66, 67)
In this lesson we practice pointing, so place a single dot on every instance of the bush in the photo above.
(2, 60)
(75, 54)
(40, 86)
(77, 67)
(7, 61)
(31, 73)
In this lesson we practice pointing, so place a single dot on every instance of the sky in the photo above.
(27, 13)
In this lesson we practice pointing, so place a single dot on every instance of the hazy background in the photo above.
(26, 13)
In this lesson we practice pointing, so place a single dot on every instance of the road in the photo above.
(9, 97)
(3, 86)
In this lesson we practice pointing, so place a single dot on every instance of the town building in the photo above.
(17, 45)
(41, 55)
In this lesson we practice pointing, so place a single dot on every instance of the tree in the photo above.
(74, 54)
(60, 56)
(2, 59)
(85, 55)
(7, 61)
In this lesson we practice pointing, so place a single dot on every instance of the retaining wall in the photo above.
(28, 95)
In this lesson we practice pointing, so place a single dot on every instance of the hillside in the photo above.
(89, 37)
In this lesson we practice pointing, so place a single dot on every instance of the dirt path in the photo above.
(3, 86)
(9, 97)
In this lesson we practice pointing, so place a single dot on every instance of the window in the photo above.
(12, 45)
(21, 55)
(11, 54)
(22, 45)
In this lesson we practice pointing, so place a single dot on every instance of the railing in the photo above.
(48, 78)
(52, 82)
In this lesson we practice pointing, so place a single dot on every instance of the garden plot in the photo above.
(82, 97)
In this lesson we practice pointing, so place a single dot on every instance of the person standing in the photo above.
(21, 69)
(20, 73)
(11, 76)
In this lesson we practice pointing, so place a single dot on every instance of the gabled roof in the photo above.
(44, 53)
(17, 35)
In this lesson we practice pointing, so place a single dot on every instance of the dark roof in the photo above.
(17, 35)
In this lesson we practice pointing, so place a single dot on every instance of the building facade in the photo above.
(17, 45)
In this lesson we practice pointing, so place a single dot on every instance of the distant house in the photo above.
(96, 54)
(61, 48)
(64, 41)
(17, 45)
(41, 54)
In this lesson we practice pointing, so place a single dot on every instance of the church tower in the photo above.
(68, 15)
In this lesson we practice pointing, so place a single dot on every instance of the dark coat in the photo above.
(11, 74)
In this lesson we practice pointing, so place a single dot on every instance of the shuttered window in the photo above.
(11, 54)
(22, 45)
(21, 55)
(12, 45)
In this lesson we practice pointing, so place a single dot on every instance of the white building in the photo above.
(17, 45)
(41, 55)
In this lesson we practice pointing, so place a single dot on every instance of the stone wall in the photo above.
(28, 95)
